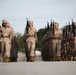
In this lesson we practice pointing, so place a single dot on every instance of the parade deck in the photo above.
(38, 68)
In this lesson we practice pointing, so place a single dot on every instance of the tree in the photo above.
(20, 38)
(40, 34)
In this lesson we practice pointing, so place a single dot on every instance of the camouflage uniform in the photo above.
(68, 46)
(56, 44)
(0, 38)
(46, 47)
(43, 47)
(73, 45)
(64, 47)
(30, 40)
(6, 43)
(14, 49)
(74, 50)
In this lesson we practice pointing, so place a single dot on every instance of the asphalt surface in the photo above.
(38, 68)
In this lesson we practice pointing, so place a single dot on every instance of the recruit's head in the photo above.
(30, 24)
(4, 23)
(56, 25)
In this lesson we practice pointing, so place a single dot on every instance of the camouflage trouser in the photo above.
(50, 51)
(63, 51)
(44, 51)
(6, 46)
(68, 50)
(0, 44)
(14, 49)
(0, 47)
(30, 48)
(56, 47)
(73, 48)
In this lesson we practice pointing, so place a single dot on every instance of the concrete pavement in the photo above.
(38, 68)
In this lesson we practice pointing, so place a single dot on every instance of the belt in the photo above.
(31, 36)
(5, 36)
(56, 38)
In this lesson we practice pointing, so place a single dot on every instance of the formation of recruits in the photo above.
(59, 44)
(68, 48)
(56, 44)
(51, 43)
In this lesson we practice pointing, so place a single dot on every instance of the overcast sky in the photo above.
(39, 11)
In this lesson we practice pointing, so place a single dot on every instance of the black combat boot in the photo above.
(14, 60)
(28, 59)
